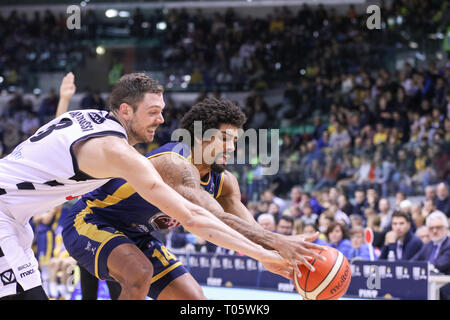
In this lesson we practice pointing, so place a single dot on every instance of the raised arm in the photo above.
(113, 157)
(66, 91)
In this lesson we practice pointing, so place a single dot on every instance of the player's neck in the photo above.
(203, 169)
(131, 138)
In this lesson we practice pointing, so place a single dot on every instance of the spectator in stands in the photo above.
(356, 221)
(430, 193)
(437, 250)
(338, 238)
(274, 210)
(427, 207)
(285, 225)
(325, 220)
(270, 197)
(344, 204)
(359, 202)
(267, 221)
(308, 215)
(385, 212)
(329, 175)
(309, 230)
(416, 216)
(423, 234)
(359, 248)
(313, 202)
(87, 102)
(48, 106)
(11, 137)
(295, 195)
(30, 124)
(340, 137)
(401, 239)
(442, 200)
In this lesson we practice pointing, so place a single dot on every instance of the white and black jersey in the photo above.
(42, 172)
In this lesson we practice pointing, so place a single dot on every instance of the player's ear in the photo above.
(126, 110)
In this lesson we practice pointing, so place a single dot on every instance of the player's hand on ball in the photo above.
(296, 249)
(276, 264)
(67, 89)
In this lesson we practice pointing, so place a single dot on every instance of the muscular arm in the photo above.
(290, 247)
(111, 156)
(185, 179)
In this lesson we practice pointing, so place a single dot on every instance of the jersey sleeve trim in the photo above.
(222, 178)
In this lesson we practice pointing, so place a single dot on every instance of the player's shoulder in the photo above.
(177, 148)
(230, 184)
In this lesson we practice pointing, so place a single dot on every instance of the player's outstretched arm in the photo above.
(110, 156)
(184, 178)
(66, 91)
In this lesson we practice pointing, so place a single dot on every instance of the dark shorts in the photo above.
(90, 240)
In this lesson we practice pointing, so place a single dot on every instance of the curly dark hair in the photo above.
(212, 113)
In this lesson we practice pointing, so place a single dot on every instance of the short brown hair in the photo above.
(131, 88)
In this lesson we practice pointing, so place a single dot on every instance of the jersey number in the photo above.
(64, 123)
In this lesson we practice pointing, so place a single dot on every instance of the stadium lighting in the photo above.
(161, 25)
(124, 14)
(1, 79)
(100, 50)
(413, 45)
(111, 13)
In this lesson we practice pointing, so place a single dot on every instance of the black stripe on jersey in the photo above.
(2, 191)
(80, 175)
(53, 183)
(25, 186)
(1, 253)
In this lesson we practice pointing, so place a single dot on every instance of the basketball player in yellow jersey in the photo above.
(126, 250)
(226, 118)
(80, 151)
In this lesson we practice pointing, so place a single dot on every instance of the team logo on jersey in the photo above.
(7, 277)
(96, 117)
(161, 221)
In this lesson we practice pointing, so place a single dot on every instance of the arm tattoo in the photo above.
(253, 232)
(182, 177)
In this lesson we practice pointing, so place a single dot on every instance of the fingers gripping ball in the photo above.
(330, 280)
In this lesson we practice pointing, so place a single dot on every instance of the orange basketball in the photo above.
(330, 280)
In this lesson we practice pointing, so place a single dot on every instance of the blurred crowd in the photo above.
(378, 150)
(224, 50)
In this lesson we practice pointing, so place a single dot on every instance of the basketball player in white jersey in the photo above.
(80, 151)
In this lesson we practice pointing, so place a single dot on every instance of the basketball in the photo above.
(329, 281)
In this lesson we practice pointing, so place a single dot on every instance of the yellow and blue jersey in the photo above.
(117, 203)
(115, 214)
